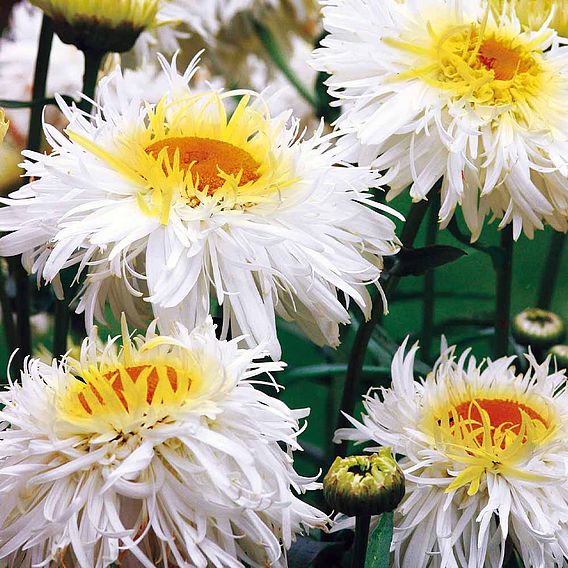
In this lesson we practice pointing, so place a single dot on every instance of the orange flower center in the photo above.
(502, 416)
(113, 377)
(503, 60)
(210, 160)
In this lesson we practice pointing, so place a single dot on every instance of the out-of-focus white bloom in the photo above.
(18, 51)
(227, 30)
(176, 201)
(436, 88)
(280, 94)
(486, 456)
(160, 453)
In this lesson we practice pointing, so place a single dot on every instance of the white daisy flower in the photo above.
(174, 202)
(160, 453)
(436, 88)
(485, 458)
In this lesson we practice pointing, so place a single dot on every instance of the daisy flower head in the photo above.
(164, 205)
(485, 456)
(157, 453)
(449, 89)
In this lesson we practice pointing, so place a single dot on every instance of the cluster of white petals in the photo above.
(306, 229)
(194, 470)
(449, 89)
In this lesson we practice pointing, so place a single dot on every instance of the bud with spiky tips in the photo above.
(364, 485)
(538, 328)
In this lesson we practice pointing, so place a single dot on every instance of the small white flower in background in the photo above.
(534, 13)
(485, 459)
(176, 202)
(434, 88)
(280, 94)
(227, 31)
(158, 453)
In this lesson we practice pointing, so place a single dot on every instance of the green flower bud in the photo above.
(364, 485)
(538, 328)
(560, 353)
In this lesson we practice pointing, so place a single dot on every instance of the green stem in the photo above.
(93, 61)
(40, 82)
(429, 283)
(8, 320)
(271, 46)
(504, 273)
(551, 270)
(352, 383)
(362, 524)
(34, 143)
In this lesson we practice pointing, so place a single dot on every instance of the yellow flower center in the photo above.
(490, 434)
(121, 396)
(189, 152)
(484, 67)
(208, 160)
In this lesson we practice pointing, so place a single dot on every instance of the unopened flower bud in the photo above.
(538, 328)
(364, 485)
(100, 25)
(560, 354)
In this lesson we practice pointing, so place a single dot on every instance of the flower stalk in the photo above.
(362, 524)
(19, 273)
(504, 273)
(352, 384)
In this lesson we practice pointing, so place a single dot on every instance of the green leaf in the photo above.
(417, 261)
(378, 549)
(305, 551)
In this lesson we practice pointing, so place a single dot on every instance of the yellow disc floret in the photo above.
(488, 431)
(481, 64)
(190, 152)
(143, 383)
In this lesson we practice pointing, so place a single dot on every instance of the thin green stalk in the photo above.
(362, 524)
(93, 61)
(429, 283)
(551, 270)
(17, 270)
(504, 274)
(352, 383)
(8, 320)
(271, 46)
